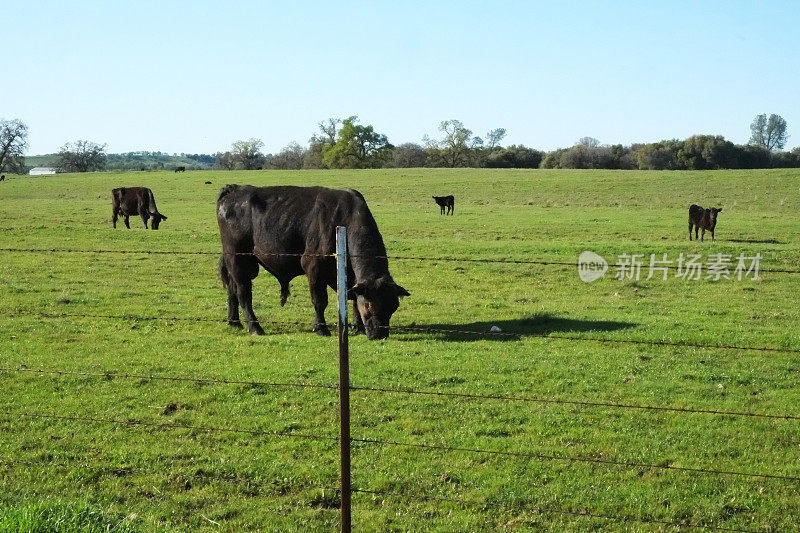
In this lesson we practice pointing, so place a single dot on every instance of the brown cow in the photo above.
(446, 202)
(131, 201)
(702, 219)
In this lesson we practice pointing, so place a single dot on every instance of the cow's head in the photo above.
(376, 301)
(712, 216)
(157, 218)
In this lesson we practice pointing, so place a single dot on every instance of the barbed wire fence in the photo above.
(450, 449)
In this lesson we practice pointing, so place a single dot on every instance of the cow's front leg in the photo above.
(358, 324)
(114, 216)
(127, 222)
(145, 217)
(319, 297)
(233, 309)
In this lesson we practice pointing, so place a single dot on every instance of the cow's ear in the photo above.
(163, 217)
(718, 210)
(401, 291)
(359, 289)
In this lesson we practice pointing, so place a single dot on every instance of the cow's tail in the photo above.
(284, 293)
(223, 272)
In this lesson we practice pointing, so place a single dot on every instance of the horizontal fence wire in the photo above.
(152, 377)
(548, 457)
(161, 425)
(146, 318)
(577, 403)
(128, 470)
(521, 455)
(550, 510)
(422, 329)
(472, 396)
(497, 260)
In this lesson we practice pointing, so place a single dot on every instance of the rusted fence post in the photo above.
(344, 379)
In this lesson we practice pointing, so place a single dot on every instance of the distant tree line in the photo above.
(699, 152)
(345, 143)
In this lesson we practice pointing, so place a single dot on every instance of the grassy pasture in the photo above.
(167, 476)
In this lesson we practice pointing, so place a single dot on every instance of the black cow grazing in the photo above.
(180, 169)
(447, 202)
(131, 201)
(208, 183)
(702, 219)
(261, 225)
(3, 177)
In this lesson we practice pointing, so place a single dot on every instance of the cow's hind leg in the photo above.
(233, 301)
(241, 270)
(114, 217)
(703, 235)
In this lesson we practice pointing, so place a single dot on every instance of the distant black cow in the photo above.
(291, 231)
(131, 201)
(208, 183)
(447, 202)
(702, 219)
(3, 177)
(180, 169)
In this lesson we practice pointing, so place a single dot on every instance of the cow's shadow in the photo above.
(756, 241)
(510, 330)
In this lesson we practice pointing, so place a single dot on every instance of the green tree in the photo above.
(290, 158)
(707, 152)
(493, 138)
(769, 133)
(457, 146)
(13, 142)
(662, 155)
(246, 155)
(407, 155)
(81, 156)
(357, 147)
(514, 157)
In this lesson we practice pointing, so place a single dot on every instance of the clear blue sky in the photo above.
(196, 76)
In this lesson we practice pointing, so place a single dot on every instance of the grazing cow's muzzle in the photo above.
(377, 332)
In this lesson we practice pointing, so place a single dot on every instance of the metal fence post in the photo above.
(344, 378)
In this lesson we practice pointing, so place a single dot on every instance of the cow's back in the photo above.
(696, 214)
(286, 219)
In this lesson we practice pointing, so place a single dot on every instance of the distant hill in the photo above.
(137, 161)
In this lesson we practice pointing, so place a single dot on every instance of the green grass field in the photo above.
(107, 448)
